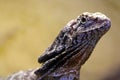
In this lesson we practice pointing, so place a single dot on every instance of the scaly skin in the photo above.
(72, 47)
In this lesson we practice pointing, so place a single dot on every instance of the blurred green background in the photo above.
(28, 27)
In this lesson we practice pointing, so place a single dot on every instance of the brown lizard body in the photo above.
(72, 47)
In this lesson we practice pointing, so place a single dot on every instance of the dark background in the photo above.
(28, 27)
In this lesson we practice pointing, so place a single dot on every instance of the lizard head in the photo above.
(92, 21)
(86, 30)
(93, 25)
(74, 44)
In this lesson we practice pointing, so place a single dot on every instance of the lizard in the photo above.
(63, 59)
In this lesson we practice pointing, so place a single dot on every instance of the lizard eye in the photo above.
(83, 20)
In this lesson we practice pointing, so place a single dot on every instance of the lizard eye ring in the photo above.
(83, 20)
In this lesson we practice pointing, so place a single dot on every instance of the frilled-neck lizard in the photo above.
(72, 47)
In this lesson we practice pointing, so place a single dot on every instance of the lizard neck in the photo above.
(71, 69)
